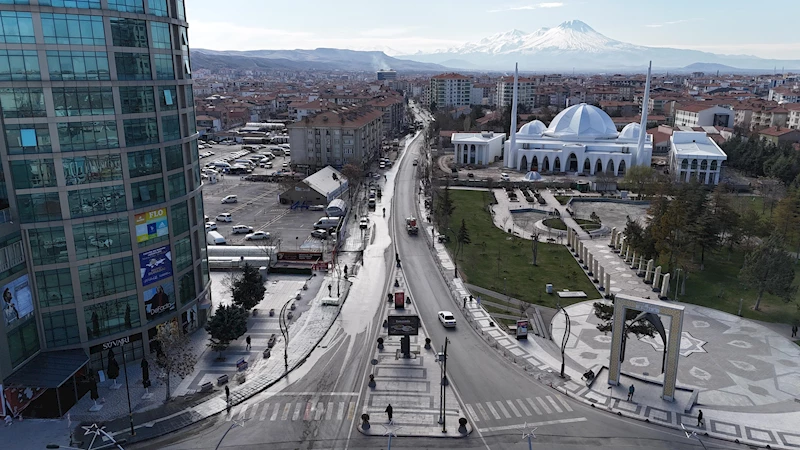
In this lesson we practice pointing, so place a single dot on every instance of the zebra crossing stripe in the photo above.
(329, 412)
(309, 411)
(553, 402)
(503, 409)
(472, 413)
(320, 410)
(494, 411)
(482, 411)
(351, 411)
(513, 408)
(297, 408)
(533, 405)
(340, 412)
(254, 411)
(264, 411)
(544, 405)
(243, 412)
(275, 411)
(524, 409)
(563, 402)
(286, 410)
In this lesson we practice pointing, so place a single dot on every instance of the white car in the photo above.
(224, 217)
(285, 165)
(316, 207)
(241, 229)
(447, 319)
(230, 199)
(211, 226)
(363, 223)
(504, 177)
(319, 234)
(257, 236)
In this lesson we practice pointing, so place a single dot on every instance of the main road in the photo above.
(317, 406)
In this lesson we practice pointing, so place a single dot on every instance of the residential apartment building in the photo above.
(794, 115)
(701, 115)
(393, 109)
(784, 94)
(101, 215)
(526, 92)
(450, 89)
(779, 135)
(346, 135)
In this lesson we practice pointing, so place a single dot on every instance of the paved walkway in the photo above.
(747, 376)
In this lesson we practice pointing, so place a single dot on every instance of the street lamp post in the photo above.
(442, 387)
(565, 339)
(285, 333)
(128, 390)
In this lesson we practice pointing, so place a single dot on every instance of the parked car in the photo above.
(447, 319)
(224, 217)
(363, 223)
(416, 161)
(316, 208)
(319, 234)
(470, 175)
(240, 229)
(211, 226)
(230, 199)
(504, 177)
(257, 236)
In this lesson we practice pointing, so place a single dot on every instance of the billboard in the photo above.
(151, 224)
(299, 256)
(17, 301)
(155, 264)
(403, 325)
(159, 300)
(399, 300)
(522, 329)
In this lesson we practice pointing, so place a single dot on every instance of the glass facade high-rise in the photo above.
(101, 212)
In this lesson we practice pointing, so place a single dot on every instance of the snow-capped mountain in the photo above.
(576, 45)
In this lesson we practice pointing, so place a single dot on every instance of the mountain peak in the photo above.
(576, 25)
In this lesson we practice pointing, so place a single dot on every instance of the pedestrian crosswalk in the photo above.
(275, 410)
(517, 408)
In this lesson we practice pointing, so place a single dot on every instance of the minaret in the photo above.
(511, 156)
(643, 125)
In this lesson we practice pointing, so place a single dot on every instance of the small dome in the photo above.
(535, 128)
(631, 131)
(582, 121)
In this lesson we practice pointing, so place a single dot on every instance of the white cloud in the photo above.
(672, 22)
(546, 5)
(382, 32)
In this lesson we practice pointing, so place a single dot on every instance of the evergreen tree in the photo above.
(248, 289)
(227, 324)
(769, 269)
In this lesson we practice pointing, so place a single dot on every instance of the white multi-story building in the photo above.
(526, 92)
(479, 149)
(450, 89)
(699, 115)
(694, 155)
(784, 94)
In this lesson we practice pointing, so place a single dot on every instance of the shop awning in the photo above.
(49, 369)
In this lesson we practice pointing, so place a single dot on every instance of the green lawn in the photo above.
(741, 203)
(563, 199)
(718, 287)
(558, 224)
(494, 255)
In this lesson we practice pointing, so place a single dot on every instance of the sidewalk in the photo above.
(747, 376)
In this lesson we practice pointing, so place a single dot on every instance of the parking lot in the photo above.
(257, 206)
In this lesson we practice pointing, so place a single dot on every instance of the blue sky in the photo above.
(406, 26)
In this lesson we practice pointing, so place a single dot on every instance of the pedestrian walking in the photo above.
(389, 412)
(248, 343)
(471, 298)
(794, 331)
(228, 398)
(700, 418)
(630, 393)
(479, 300)
(464, 306)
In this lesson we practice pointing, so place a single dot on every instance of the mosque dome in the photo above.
(582, 122)
(535, 128)
(631, 131)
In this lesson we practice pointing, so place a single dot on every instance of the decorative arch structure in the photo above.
(523, 165)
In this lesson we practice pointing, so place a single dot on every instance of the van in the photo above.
(214, 238)
(336, 208)
(245, 162)
(222, 165)
(325, 223)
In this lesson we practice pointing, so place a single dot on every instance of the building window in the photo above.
(16, 2)
(61, 328)
(140, 131)
(180, 219)
(146, 193)
(174, 154)
(186, 288)
(22, 139)
(92, 169)
(19, 65)
(171, 128)
(112, 316)
(157, 7)
(107, 278)
(195, 151)
(73, 29)
(180, 11)
(83, 4)
(183, 254)
(73, 65)
(38, 207)
(79, 136)
(23, 342)
(161, 36)
(145, 162)
(192, 122)
(167, 98)
(165, 70)
(16, 28)
(33, 173)
(133, 66)
(48, 245)
(133, 6)
(128, 32)
(101, 238)
(83, 101)
(137, 99)
(22, 103)
(94, 201)
(54, 287)
(177, 185)
(187, 89)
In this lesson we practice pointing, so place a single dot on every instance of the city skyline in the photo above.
(681, 24)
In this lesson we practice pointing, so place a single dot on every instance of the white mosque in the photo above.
(581, 138)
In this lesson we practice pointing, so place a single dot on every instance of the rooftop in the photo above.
(695, 143)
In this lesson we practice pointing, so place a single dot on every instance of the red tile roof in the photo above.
(449, 76)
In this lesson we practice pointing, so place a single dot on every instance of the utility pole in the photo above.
(565, 339)
(284, 325)
(443, 384)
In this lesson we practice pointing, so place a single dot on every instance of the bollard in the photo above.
(385, 323)
(396, 282)
(462, 425)
(372, 381)
(427, 343)
(380, 343)
(365, 421)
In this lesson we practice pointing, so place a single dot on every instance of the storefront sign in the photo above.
(155, 264)
(115, 343)
(403, 325)
(299, 256)
(151, 224)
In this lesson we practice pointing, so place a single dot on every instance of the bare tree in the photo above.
(175, 355)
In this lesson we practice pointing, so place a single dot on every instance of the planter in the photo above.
(272, 312)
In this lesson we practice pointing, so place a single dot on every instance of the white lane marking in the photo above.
(320, 411)
(503, 409)
(533, 405)
(297, 408)
(494, 411)
(528, 426)
(275, 412)
(482, 411)
(340, 412)
(513, 408)
(553, 402)
(286, 410)
(472, 413)
(264, 411)
(329, 412)
(524, 409)
(544, 405)
(563, 402)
